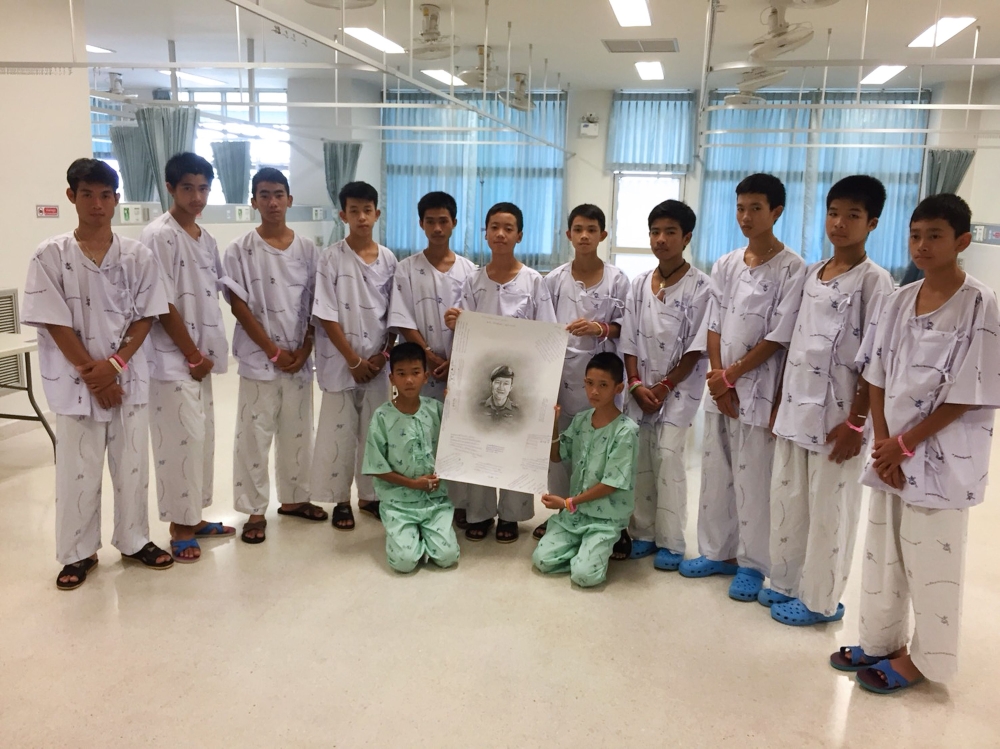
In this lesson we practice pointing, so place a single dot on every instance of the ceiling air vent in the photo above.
(639, 46)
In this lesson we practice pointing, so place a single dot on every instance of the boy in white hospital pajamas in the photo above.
(756, 292)
(93, 296)
(428, 284)
(269, 277)
(186, 347)
(815, 494)
(664, 345)
(589, 297)
(353, 289)
(934, 376)
(508, 288)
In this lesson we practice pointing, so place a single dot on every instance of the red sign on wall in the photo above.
(47, 211)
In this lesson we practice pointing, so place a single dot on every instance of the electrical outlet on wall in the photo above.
(244, 213)
(318, 214)
(130, 214)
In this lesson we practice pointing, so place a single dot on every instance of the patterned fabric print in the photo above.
(406, 445)
(660, 487)
(191, 270)
(65, 288)
(750, 305)
(950, 355)
(660, 329)
(821, 372)
(578, 544)
(602, 456)
(421, 297)
(525, 296)
(277, 286)
(604, 302)
(355, 295)
(412, 530)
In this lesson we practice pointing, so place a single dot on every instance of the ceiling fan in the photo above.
(485, 75)
(783, 37)
(519, 97)
(431, 44)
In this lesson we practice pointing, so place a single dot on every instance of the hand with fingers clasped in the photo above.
(729, 404)
(846, 443)
(554, 502)
(647, 399)
(888, 459)
(427, 483)
(98, 374)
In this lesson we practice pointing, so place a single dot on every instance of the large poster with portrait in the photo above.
(502, 389)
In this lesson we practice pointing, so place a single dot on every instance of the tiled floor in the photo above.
(311, 640)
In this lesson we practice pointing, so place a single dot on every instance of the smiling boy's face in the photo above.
(501, 387)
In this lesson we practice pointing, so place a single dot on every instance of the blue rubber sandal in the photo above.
(705, 567)
(642, 549)
(176, 547)
(893, 682)
(746, 585)
(667, 560)
(214, 530)
(768, 597)
(795, 614)
(857, 660)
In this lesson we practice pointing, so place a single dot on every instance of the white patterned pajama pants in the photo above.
(660, 513)
(281, 411)
(82, 443)
(182, 428)
(913, 556)
(735, 503)
(344, 418)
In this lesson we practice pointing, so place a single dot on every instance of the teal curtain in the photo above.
(129, 147)
(651, 131)
(479, 168)
(340, 164)
(167, 131)
(232, 167)
(809, 161)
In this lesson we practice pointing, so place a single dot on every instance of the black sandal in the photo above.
(343, 514)
(461, 520)
(372, 508)
(478, 531)
(507, 532)
(78, 570)
(306, 511)
(539, 532)
(249, 527)
(622, 549)
(147, 556)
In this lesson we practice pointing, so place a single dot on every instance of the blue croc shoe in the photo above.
(768, 597)
(795, 614)
(746, 585)
(667, 560)
(705, 567)
(642, 549)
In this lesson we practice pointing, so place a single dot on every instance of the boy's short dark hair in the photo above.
(269, 174)
(187, 163)
(359, 191)
(764, 184)
(437, 199)
(610, 363)
(587, 211)
(405, 352)
(859, 188)
(948, 207)
(676, 210)
(94, 171)
(510, 208)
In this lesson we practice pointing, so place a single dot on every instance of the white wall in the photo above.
(586, 179)
(984, 196)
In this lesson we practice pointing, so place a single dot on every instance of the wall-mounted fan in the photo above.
(519, 97)
(485, 75)
(431, 44)
(781, 36)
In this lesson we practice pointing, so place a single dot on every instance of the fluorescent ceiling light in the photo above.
(882, 74)
(631, 12)
(945, 29)
(99, 50)
(445, 77)
(195, 78)
(650, 71)
(379, 42)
